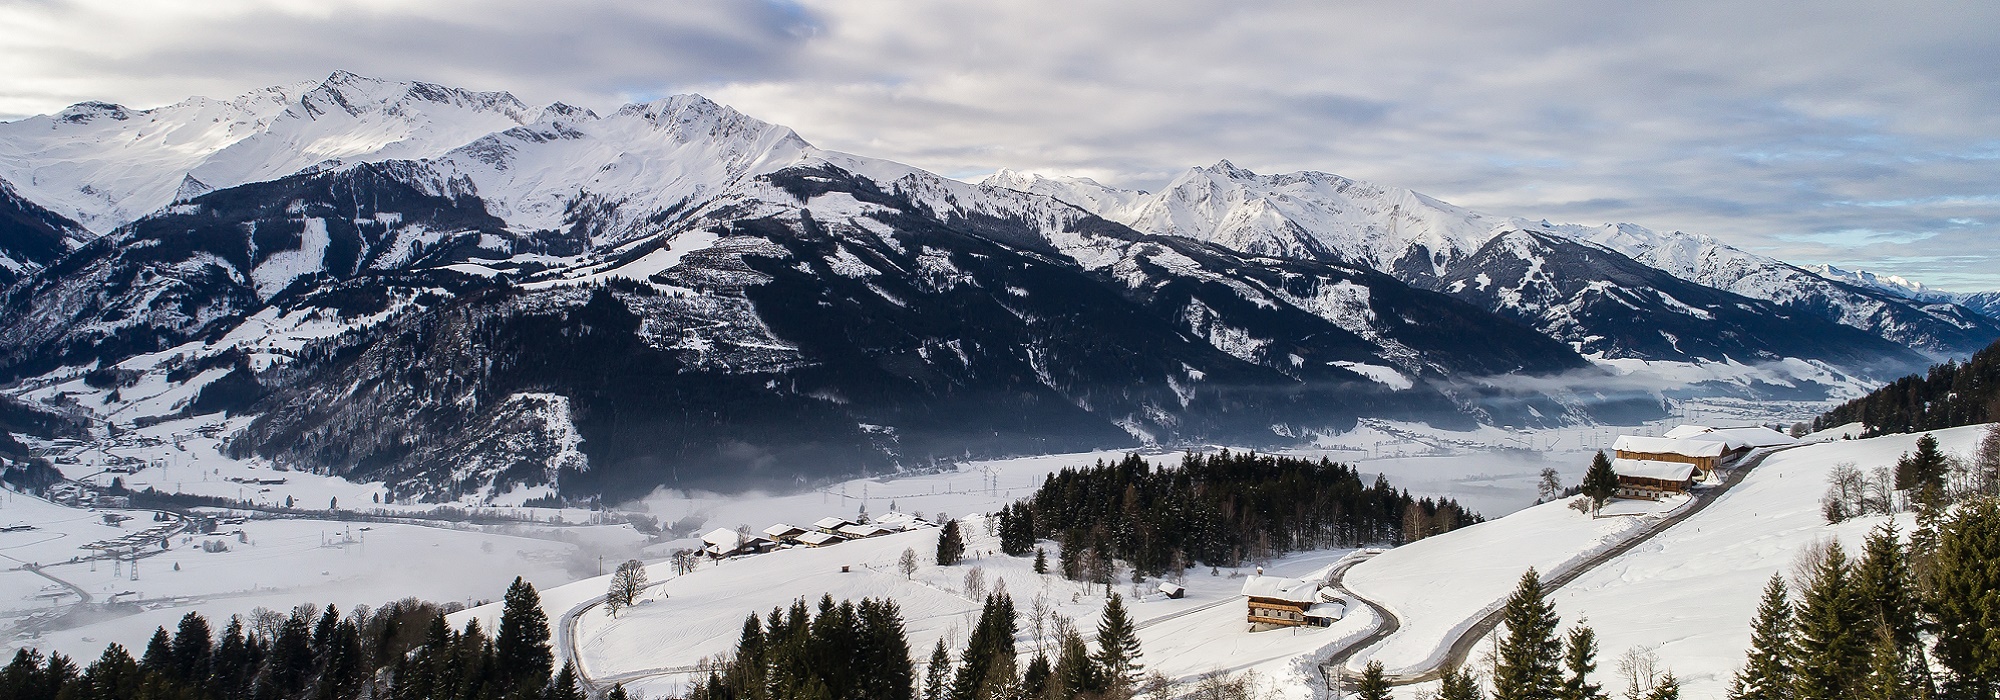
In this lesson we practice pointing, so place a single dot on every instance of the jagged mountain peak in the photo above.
(357, 94)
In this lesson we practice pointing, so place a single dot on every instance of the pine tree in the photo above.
(1530, 653)
(1600, 483)
(1075, 675)
(1580, 660)
(1372, 685)
(1888, 671)
(1964, 599)
(1923, 470)
(617, 693)
(1888, 592)
(342, 668)
(1766, 674)
(1830, 642)
(521, 645)
(1035, 682)
(191, 650)
(1118, 652)
(1041, 561)
(1669, 688)
(937, 673)
(565, 686)
(950, 544)
(1456, 684)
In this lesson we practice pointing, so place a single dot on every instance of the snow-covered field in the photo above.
(687, 619)
(276, 564)
(1440, 585)
(1689, 593)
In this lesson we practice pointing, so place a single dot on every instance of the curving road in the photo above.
(1461, 646)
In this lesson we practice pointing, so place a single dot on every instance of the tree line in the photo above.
(1949, 395)
(402, 651)
(858, 651)
(1218, 510)
(1915, 619)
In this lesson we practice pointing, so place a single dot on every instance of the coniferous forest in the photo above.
(401, 651)
(1949, 395)
(1218, 510)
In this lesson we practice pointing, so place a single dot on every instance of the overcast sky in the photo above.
(1864, 134)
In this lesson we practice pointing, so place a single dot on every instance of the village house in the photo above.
(1704, 454)
(858, 532)
(1652, 479)
(1736, 442)
(820, 539)
(831, 524)
(1276, 601)
(782, 532)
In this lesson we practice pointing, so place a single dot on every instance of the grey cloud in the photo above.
(1759, 123)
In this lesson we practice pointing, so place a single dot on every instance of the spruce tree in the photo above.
(1456, 684)
(1830, 643)
(1924, 470)
(1888, 592)
(1964, 600)
(565, 686)
(950, 544)
(1600, 483)
(937, 673)
(521, 645)
(1580, 660)
(1888, 671)
(1075, 675)
(1118, 652)
(1035, 681)
(1041, 561)
(191, 650)
(1669, 688)
(1530, 653)
(617, 693)
(1373, 684)
(1767, 672)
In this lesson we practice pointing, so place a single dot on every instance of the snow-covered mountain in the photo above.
(1985, 303)
(1420, 239)
(105, 165)
(677, 294)
(31, 237)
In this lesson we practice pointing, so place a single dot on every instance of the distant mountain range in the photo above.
(472, 299)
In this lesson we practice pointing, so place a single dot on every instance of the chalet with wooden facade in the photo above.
(1652, 479)
(1276, 601)
(1704, 454)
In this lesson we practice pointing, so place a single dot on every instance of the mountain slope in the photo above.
(1420, 240)
(31, 237)
(1607, 304)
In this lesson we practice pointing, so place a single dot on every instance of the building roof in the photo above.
(783, 530)
(1170, 588)
(1653, 469)
(832, 523)
(860, 531)
(1684, 446)
(1330, 611)
(722, 537)
(819, 538)
(1753, 436)
(1279, 587)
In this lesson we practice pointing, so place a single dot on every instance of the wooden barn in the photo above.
(1704, 454)
(1652, 479)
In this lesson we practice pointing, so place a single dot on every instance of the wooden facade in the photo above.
(1705, 465)
(1274, 611)
(1648, 488)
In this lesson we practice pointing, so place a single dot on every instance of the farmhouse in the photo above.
(831, 524)
(1652, 479)
(1736, 442)
(1286, 602)
(724, 542)
(782, 532)
(820, 539)
(1703, 453)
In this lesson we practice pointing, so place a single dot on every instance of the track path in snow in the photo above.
(1461, 646)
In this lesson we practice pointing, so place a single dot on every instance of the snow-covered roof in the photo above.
(1681, 431)
(1330, 611)
(1753, 436)
(1653, 469)
(832, 523)
(1278, 587)
(1170, 588)
(819, 538)
(783, 530)
(1687, 446)
(860, 531)
(721, 537)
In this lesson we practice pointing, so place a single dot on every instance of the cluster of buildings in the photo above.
(1653, 468)
(721, 543)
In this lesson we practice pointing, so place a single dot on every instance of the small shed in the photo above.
(1325, 614)
(1173, 590)
(1652, 479)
